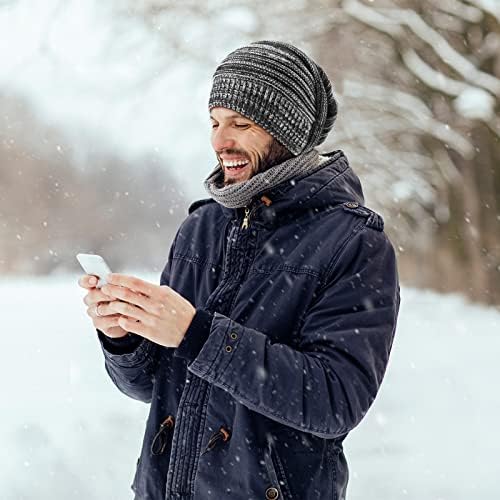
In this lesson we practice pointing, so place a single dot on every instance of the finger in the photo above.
(124, 308)
(87, 281)
(127, 295)
(106, 322)
(95, 296)
(135, 284)
(133, 326)
(92, 311)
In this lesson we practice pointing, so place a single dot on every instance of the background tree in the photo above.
(418, 84)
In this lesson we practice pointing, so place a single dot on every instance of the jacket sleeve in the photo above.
(327, 384)
(131, 361)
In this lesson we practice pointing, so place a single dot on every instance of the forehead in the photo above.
(220, 113)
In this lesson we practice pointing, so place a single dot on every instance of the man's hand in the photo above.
(155, 312)
(95, 298)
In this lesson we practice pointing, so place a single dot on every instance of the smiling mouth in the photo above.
(232, 167)
(237, 167)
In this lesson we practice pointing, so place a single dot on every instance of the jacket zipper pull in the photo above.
(220, 434)
(246, 219)
(160, 440)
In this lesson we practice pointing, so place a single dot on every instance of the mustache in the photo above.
(231, 151)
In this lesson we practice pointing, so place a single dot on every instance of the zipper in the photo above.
(246, 218)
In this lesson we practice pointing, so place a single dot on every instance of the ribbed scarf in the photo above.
(242, 193)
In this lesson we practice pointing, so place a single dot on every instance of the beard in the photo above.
(275, 154)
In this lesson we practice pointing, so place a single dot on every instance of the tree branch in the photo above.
(432, 78)
(384, 19)
(458, 9)
(413, 109)
(490, 6)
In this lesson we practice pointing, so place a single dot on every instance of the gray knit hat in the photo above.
(280, 88)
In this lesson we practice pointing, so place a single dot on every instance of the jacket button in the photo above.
(351, 204)
(234, 336)
(272, 493)
(229, 348)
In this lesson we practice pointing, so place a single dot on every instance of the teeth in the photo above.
(237, 163)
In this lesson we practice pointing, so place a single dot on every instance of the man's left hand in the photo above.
(155, 312)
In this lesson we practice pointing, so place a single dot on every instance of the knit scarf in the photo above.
(242, 193)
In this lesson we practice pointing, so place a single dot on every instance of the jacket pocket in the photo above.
(279, 487)
(305, 466)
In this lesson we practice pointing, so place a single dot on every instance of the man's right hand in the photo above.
(107, 323)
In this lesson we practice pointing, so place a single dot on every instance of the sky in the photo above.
(67, 432)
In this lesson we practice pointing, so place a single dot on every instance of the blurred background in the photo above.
(104, 143)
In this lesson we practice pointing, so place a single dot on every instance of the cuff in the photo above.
(196, 335)
(122, 345)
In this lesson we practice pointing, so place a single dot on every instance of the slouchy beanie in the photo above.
(281, 89)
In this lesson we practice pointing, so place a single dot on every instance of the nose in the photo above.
(222, 138)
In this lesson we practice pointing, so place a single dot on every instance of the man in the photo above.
(267, 341)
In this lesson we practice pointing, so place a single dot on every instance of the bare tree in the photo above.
(441, 80)
(418, 83)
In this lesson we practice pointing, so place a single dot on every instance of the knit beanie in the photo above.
(280, 88)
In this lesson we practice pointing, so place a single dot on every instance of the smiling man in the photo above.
(242, 147)
(268, 337)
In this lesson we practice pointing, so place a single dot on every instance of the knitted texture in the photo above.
(280, 88)
(242, 193)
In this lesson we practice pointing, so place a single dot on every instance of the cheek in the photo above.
(257, 144)
(212, 140)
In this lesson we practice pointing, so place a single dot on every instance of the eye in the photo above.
(241, 125)
(215, 125)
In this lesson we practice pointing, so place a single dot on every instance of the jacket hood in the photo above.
(331, 185)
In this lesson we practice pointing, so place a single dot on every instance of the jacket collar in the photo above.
(333, 184)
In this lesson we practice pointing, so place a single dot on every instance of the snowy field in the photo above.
(67, 433)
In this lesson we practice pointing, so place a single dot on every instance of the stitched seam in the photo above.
(197, 455)
(139, 358)
(360, 226)
(346, 167)
(244, 278)
(333, 465)
(281, 469)
(210, 367)
(195, 260)
(281, 267)
(341, 430)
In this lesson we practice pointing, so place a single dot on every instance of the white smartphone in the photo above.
(95, 265)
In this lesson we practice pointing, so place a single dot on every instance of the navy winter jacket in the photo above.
(297, 297)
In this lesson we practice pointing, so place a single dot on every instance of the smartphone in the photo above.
(94, 265)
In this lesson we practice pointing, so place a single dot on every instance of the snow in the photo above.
(67, 432)
(83, 67)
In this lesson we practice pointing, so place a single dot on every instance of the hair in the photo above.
(276, 154)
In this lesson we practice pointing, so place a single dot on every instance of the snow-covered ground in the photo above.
(67, 432)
